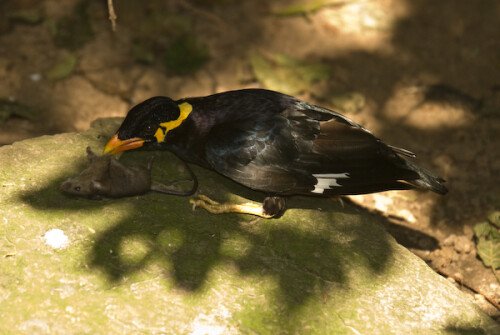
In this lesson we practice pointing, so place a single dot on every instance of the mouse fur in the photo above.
(107, 177)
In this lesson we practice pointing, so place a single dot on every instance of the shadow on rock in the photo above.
(305, 253)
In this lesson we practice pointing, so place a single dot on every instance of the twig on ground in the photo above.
(470, 287)
(112, 15)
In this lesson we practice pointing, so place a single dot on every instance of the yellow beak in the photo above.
(116, 145)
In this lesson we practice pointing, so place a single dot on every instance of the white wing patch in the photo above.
(327, 181)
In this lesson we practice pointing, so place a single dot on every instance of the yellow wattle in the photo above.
(185, 109)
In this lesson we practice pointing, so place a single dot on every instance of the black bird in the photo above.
(274, 143)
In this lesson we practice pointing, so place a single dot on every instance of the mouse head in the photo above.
(82, 188)
(90, 182)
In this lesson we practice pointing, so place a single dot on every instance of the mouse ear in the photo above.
(96, 185)
(66, 185)
(90, 154)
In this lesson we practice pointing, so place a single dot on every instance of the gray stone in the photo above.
(151, 265)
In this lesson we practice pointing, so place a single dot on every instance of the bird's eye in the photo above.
(150, 130)
(77, 188)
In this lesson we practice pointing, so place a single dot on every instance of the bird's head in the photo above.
(147, 124)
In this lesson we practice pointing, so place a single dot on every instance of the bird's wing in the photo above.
(259, 153)
(305, 149)
(361, 162)
(370, 164)
(345, 157)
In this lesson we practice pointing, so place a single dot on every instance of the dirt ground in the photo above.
(423, 75)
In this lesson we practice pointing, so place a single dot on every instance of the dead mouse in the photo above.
(107, 177)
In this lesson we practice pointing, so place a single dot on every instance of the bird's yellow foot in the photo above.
(215, 207)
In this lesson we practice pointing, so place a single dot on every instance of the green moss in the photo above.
(150, 264)
(186, 55)
(13, 108)
(72, 32)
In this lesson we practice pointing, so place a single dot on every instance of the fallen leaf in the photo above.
(306, 7)
(285, 74)
(482, 229)
(489, 251)
(494, 218)
(62, 69)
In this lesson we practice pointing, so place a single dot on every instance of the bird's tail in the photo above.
(427, 180)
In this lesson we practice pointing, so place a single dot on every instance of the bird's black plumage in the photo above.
(275, 143)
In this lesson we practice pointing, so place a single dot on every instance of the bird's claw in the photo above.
(203, 201)
(215, 207)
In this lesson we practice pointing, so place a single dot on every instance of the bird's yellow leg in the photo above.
(215, 207)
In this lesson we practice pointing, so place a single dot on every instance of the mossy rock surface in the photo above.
(151, 265)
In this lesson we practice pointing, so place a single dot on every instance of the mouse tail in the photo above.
(150, 162)
(161, 188)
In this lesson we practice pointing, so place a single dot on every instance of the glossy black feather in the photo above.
(278, 144)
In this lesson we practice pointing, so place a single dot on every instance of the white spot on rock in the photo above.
(56, 238)
(214, 323)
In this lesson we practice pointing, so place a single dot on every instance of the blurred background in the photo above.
(421, 74)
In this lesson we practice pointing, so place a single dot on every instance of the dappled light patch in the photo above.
(319, 267)
(384, 58)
